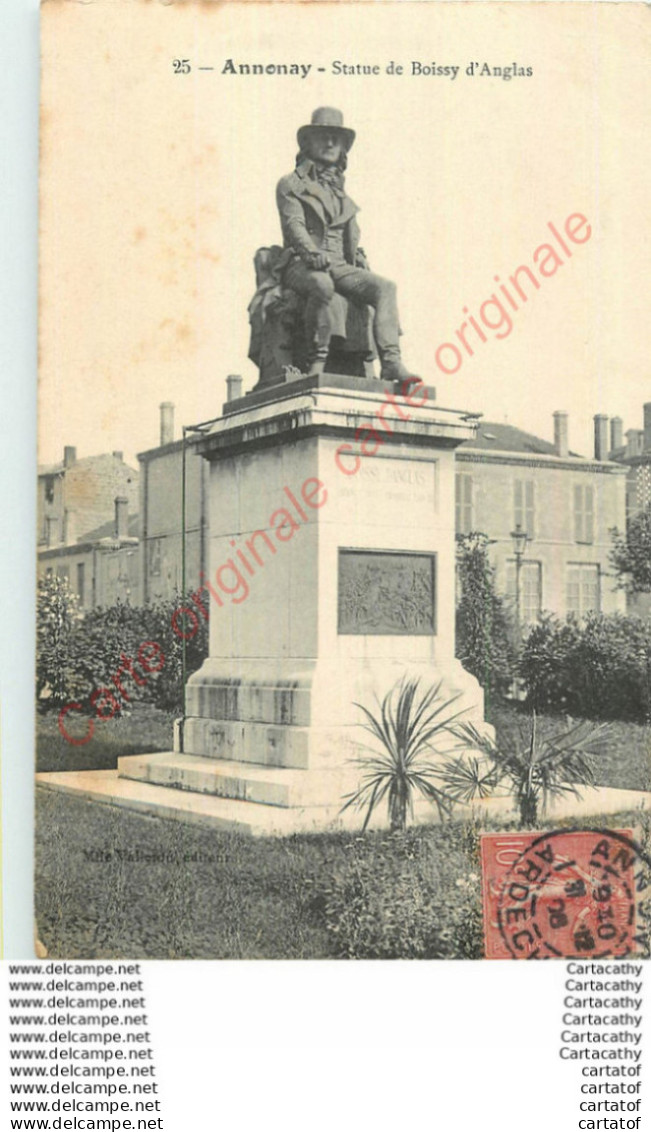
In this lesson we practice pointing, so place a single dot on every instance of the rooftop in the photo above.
(85, 461)
(495, 437)
(107, 530)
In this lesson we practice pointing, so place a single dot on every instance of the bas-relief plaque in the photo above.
(387, 593)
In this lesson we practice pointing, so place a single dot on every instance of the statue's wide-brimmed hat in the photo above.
(327, 118)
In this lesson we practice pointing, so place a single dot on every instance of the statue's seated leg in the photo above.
(317, 290)
(300, 324)
(337, 336)
(352, 351)
(365, 287)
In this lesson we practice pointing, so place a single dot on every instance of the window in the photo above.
(530, 589)
(49, 489)
(63, 573)
(81, 582)
(583, 513)
(643, 487)
(463, 503)
(154, 557)
(51, 530)
(583, 588)
(523, 505)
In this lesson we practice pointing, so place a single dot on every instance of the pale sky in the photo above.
(157, 188)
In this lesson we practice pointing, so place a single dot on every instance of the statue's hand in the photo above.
(361, 260)
(317, 261)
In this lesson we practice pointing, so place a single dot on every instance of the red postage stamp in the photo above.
(564, 894)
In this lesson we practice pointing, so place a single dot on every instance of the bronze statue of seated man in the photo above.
(319, 227)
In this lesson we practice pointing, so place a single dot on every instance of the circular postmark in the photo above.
(577, 894)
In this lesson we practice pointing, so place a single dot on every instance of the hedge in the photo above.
(597, 668)
(78, 654)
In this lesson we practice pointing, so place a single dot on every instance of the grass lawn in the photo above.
(146, 729)
(624, 762)
(113, 883)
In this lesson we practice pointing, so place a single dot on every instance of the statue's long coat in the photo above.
(305, 216)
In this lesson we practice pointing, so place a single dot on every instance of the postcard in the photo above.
(344, 486)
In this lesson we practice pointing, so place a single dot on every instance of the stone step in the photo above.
(228, 814)
(246, 782)
(106, 787)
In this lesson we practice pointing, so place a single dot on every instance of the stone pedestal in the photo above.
(332, 575)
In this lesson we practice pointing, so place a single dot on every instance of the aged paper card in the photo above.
(343, 513)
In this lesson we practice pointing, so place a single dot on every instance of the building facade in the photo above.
(76, 496)
(88, 527)
(632, 449)
(507, 480)
(161, 518)
(102, 567)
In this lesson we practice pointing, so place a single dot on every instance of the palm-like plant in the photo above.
(405, 726)
(534, 766)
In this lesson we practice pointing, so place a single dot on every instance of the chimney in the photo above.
(616, 433)
(647, 426)
(118, 455)
(69, 455)
(234, 386)
(69, 526)
(632, 442)
(560, 433)
(601, 436)
(166, 422)
(121, 516)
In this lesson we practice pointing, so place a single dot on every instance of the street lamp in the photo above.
(520, 539)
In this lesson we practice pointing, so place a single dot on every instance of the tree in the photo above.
(57, 615)
(534, 760)
(630, 555)
(483, 627)
(406, 727)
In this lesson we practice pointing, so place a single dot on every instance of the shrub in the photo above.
(484, 633)
(407, 899)
(405, 728)
(100, 639)
(534, 760)
(598, 668)
(57, 617)
(630, 556)
(77, 655)
(165, 688)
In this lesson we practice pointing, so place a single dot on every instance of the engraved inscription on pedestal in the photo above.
(387, 593)
(384, 478)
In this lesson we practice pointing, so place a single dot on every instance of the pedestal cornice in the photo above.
(342, 407)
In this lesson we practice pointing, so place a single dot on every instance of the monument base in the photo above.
(332, 580)
(226, 815)
(304, 769)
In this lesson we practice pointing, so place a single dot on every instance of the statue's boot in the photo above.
(386, 331)
(318, 362)
(393, 368)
